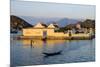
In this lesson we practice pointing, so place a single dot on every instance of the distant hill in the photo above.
(34, 20)
(65, 21)
(17, 23)
(60, 21)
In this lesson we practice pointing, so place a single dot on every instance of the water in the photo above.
(24, 53)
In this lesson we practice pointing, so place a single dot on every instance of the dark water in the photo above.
(27, 52)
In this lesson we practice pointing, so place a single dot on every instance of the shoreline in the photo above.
(54, 38)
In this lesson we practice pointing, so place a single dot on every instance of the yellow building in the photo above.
(41, 31)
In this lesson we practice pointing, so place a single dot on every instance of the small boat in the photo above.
(52, 54)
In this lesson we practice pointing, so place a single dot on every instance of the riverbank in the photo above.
(56, 38)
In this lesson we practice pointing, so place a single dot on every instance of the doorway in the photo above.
(44, 34)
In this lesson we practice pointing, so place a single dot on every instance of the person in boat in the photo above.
(32, 43)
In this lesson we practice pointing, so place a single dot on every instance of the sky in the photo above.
(41, 9)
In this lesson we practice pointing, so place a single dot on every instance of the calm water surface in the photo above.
(30, 52)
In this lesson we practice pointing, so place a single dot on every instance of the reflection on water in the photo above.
(49, 45)
(30, 52)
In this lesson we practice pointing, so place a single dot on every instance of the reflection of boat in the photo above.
(52, 54)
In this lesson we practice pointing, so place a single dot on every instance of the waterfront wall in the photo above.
(80, 35)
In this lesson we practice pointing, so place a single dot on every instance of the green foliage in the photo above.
(70, 26)
(88, 23)
(62, 29)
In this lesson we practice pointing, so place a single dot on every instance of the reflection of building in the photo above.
(34, 43)
(40, 43)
